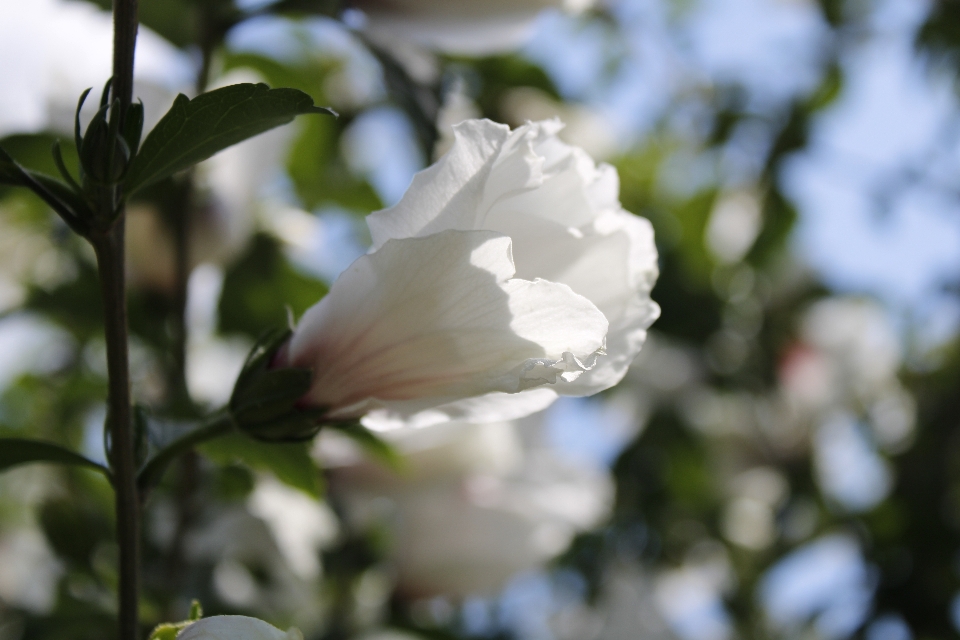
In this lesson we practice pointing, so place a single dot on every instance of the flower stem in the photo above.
(109, 246)
(110, 261)
(124, 44)
(217, 425)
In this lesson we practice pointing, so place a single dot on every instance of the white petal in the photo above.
(235, 628)
(492, 175)
(457, 26)
(562, 212)
(490, 407)
(438, 319)
(61, 48)
(452, 188)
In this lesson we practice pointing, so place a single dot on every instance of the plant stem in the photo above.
(110, 261)
(217, 425)
(124, 44)
(109, 246)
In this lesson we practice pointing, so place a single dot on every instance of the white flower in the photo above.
(458, 26)
(473, 507)
(562, 214)
(300, 525)
(426, 321)
(236, 628)
(51, 50)
(31, 570)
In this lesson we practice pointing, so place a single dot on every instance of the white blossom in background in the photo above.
(472, 506)
(733, 225)
(236, 628)
(55, 49)
(458, 26)
(300, 525)
(213, 361)
(59, 48)
(250, 570)
(31, 570)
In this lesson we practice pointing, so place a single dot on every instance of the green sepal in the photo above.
(170, 630)
(77, 137)
(105, 94)
(270, 393)
(91, 149)
(62, 168)
(133, 127)
(104, 154)
(265, 400)
(258, 360)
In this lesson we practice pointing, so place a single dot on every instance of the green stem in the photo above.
(110, 261)
(109, 246)
(124, 45)
(217, 425)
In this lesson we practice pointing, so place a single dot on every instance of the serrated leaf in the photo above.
(194, 130)
(289, 462)
(17, 451)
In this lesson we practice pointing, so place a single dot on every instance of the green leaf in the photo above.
(17, 451)
(194, 130)
(69, 205)
(289, 462)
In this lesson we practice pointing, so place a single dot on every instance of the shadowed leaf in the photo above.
(17, 451)
(194, 130)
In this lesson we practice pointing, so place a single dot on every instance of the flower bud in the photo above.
(266, 398)
(236, 628)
